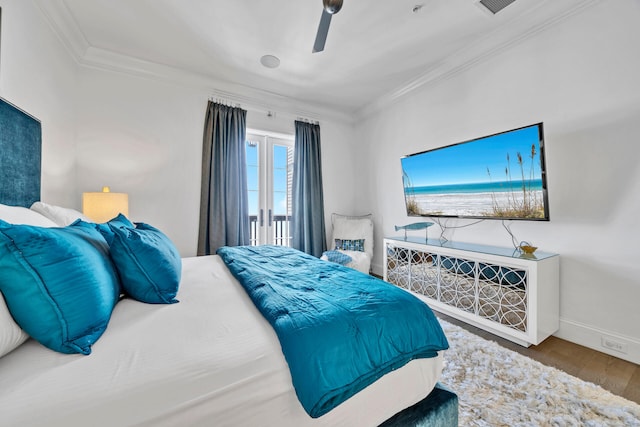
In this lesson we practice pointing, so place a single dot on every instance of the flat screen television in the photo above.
(500, 176)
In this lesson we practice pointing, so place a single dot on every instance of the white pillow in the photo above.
(20, 215)
(11, 335)
(59, 215)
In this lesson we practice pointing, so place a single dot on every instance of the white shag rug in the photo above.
(499, 387)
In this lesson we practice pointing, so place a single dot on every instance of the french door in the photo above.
(269, 178)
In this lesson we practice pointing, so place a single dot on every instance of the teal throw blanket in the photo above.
(339, 329)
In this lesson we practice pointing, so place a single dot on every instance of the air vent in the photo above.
(495, 6)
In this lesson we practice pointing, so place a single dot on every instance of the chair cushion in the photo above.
(361, 261)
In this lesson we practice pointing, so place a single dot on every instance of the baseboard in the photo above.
(594, 338)
(377, 269)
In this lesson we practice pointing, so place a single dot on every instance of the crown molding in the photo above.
(252, 98)
(64, 26)
(545, 15)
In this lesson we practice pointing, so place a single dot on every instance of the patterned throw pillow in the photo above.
(338, 257)
(350, 245)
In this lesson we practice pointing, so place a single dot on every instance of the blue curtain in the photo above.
(224, 203)
(307, 221)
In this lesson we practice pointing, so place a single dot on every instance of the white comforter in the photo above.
(210, 360)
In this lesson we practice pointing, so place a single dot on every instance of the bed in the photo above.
(211, 359)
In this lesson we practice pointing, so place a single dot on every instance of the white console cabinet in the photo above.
(501, 290)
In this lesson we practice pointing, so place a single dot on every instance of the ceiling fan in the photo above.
(330, 7)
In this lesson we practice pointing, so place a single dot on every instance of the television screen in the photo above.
(499, 176)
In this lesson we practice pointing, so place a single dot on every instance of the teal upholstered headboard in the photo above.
(20, 156)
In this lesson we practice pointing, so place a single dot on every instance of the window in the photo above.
(269, 180)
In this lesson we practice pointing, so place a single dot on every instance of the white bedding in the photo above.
(210, 360)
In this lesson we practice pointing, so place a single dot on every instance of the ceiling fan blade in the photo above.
(323, 30)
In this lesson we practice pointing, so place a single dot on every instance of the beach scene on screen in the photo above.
(499, 176)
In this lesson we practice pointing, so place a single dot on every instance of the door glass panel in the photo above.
(281, 195)
(269, 179)
(253, 187)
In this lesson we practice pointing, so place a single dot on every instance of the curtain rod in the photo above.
(257, 105)
(306, 120)
(224, 101)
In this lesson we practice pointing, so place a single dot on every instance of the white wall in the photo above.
(38, 75)
(143, 136)
(581, 79)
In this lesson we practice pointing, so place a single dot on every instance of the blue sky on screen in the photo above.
(468, 162)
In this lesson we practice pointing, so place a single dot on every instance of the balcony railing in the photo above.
(281, 234)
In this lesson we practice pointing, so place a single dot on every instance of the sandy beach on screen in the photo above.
(467, 204)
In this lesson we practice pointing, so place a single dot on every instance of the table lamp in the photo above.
(105, 205)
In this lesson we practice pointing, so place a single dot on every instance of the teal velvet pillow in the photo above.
(59, 283)
(148, 263)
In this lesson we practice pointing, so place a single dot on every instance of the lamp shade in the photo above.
(105, 205)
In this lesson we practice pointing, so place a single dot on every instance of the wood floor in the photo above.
(616, 375)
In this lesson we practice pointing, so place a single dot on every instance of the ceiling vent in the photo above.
(495, 6)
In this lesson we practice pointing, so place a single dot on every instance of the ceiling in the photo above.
(376, 50)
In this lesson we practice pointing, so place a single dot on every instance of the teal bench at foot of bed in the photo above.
(438, 409)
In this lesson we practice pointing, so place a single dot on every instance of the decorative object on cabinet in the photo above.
(527, 248)
(493, 288)
(415, 226)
